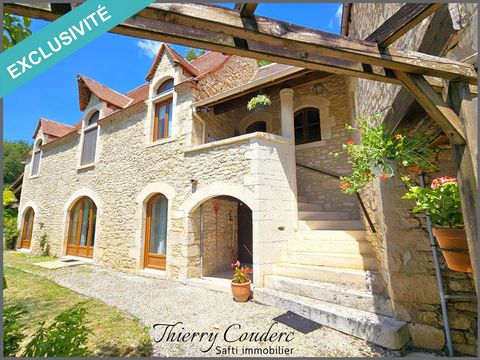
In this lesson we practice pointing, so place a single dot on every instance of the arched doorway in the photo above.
(28, 219)
(81, 230)
(223, 232)
(256, 126)
(155, 253)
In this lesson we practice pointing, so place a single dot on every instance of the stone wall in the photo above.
(401, 243)
(334, 115)
(234, 72)
(129, 168)
(220, 241)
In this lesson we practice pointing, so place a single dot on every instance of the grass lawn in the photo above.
(113, 332)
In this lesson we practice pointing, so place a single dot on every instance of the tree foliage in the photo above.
(264, 63)
(192, 54)
(15, 29)
(13, 157)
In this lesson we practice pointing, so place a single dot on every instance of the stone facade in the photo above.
(401, 243)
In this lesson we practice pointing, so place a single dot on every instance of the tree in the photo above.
(15, 29)
(14, 153)
(192, 54)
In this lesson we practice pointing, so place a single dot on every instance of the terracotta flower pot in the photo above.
(454, 247)
(241, 292)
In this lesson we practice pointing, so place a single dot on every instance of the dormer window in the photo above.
(37, 154)
(162, 123)
(165, 87)
(90, 132)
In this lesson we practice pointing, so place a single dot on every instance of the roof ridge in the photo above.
(54, 121)
(103, 85)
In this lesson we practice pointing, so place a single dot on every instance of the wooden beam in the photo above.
(239, 100)
(305, 43)
(465, 157)
(434, 105)
(60, 8)
(246, 9)
(405, 19)
(306, 40)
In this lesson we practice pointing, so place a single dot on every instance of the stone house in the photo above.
(177, 179)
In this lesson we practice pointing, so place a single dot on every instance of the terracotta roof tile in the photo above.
(87, 86)
(209, 62)
(53, 128)
(139, 93)
(271, 69)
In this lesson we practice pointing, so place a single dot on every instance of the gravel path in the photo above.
(156, 301)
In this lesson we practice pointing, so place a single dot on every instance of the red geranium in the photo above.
(442, 180)
(349, 142)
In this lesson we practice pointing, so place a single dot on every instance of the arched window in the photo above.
(27, 228)
(37, 154)
(307, 126)
(162, 127)
(90, 132)
(81, 231)
(167, 85)
(156, 232)
(256, 126)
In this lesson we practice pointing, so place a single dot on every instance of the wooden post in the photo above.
(465, 157)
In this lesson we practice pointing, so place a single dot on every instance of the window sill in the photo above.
(33, 176)
(160, 142)
(310, 145)
(85, 167)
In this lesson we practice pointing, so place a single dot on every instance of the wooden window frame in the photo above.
(162, 259)
(89, 127)
(90, 237)
(27, 231)
(36, 150)
(165, 102)
(305, 126)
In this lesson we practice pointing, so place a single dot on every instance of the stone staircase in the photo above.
(331, 277)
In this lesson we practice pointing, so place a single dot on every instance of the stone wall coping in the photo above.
(237, 139)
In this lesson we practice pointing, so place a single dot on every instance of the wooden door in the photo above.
(27, 229)
(81, 234)
(156, 232)
(245, 234)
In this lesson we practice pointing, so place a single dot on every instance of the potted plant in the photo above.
(241, 282)
(442, 202)
(259, 102)
(380, 153)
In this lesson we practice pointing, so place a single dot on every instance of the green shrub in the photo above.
(66, 336)
(10, 232)
(12, 332)
(44, 246)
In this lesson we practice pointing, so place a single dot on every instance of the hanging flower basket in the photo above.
(259, 103)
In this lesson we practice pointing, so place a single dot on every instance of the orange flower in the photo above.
(383, 177)
(398, 136)
(349, 142)
(344, 185)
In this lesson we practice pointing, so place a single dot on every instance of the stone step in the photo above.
(304, 206)
(353, 278)
(331, 235)
(348, 261)
(378, 329)
(332, 293)
(323, 215)
(327, 246)
(330, 225)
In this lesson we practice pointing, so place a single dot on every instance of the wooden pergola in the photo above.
(441, 86)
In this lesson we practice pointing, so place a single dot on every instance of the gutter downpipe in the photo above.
(438, 274)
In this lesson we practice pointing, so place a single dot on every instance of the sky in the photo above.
(121, 63)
